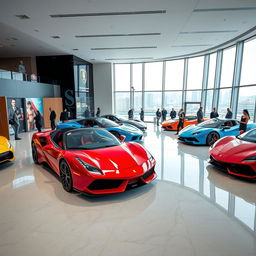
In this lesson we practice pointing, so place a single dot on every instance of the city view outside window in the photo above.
(149, 92)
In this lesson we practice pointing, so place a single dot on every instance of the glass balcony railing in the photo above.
(5, 74)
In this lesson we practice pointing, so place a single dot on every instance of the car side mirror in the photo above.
(122, 138)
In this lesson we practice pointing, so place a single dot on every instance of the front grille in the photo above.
(235, 168)
(148, 174)
(105, 184)
(6, 156)
(134, 137)
(188, 139)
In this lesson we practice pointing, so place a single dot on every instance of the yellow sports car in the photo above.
(6, 150)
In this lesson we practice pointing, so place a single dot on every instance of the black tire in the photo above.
(116, 134)
(212, 138)
(34, 153)
(66, 176)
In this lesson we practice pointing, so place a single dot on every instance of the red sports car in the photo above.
(236, 155)
(92, 160)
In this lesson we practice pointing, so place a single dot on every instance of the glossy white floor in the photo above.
(191, 209)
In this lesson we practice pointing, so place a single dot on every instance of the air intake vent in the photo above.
(118, 35)
(22, 16)
(124, 48)
(72, 15)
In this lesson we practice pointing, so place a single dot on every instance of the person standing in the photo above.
(164, 114)
(98, 112)
(130, 114)
(64, 116)
(52, 118)
(87, 112)
(229, 114)
(200, 115)
(14, 114)
(173, 114)
(214, 113)
(22, 70)
(158, 116)
(181, 115)
(142, 114)
(38, 121)
(30, 116)
(244, 121)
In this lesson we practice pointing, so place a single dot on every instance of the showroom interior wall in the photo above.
(103, 96)
(225, 78)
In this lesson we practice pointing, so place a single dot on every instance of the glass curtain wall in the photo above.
(161, 84)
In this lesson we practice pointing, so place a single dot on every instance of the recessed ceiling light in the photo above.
(36, 30)
(75, 49)
(55, 37)
(14, 38)
(22, 16)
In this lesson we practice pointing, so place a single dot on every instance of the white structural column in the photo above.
(205, 81)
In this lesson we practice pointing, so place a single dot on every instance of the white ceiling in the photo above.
(177, 27)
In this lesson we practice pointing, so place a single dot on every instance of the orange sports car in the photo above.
(171, 124)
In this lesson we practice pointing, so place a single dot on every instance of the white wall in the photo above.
(103, 92)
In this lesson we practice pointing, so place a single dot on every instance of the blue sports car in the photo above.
(207, 132)
(131, 133)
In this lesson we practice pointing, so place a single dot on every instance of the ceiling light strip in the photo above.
(118, 35)
(124, 48)
(225, 9)
(142, 58)
(191, 45)
(208, 32)
(73, 15)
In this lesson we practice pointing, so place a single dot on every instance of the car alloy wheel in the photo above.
(65, 176)
(212, 138)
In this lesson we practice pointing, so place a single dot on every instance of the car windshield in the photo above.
(87, 139)
(212, 123)
(107, 123)
(249, 136)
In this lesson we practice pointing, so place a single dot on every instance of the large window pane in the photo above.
(122, 103)
(137, 76)
(246, 100)
(173, 100)
(193, 96)
(137, 102)
(152, 103)
(227, 69)
(122, 77)
(212, 67)
(153, 76)
(208, 105)
(195, 73)
(224, 101)
(174, 75)
(248, 75)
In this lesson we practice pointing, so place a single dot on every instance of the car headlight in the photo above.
(196, 133)
(9, 144)
(150, 157)
(88, 167)
(250, 159)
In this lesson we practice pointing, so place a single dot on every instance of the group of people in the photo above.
(200, 116)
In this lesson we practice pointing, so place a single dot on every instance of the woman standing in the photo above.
(30, 116)
(38, 121)
(244, 121)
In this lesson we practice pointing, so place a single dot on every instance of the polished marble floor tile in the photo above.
(191, 209)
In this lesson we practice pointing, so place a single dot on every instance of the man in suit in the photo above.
(164, 114)
(64, 115)
(52, 118)
(173, 114)
(200, 115)
(14, 115)
(214, 113)
(142, 114)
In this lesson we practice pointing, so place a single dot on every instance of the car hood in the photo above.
(3, 144)
(131, 129)
(231, 147)
(137, 123)
(169, 121)
(122, 157)
(189, 130)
